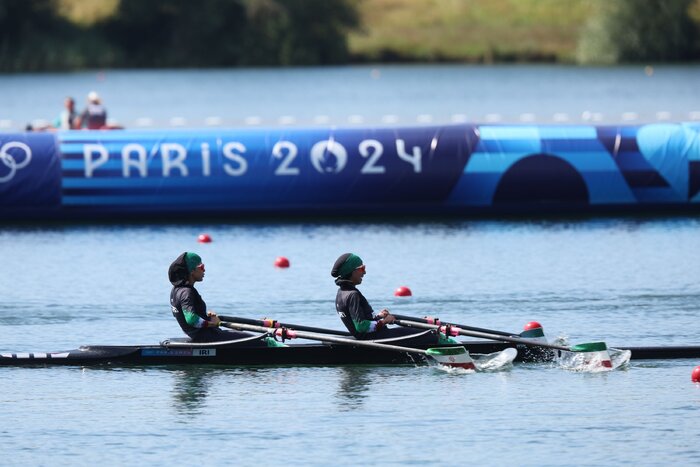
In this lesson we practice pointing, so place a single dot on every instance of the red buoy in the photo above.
(695, 375)
(403, 291)
(204, 238)
(532, 325)
(281, 262)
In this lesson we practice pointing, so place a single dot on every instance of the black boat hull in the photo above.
(295, 354)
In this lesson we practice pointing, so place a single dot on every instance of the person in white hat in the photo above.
(94, 117)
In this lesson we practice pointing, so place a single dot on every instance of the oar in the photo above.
(596, 350)
(438, 322)
(448, 356)
(271, 323)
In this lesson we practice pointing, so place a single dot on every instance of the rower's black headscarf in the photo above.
(180, 269)
(344, 266)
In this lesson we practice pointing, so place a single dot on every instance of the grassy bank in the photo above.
(469, 30)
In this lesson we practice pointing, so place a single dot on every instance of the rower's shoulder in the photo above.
(349, 293)
(347, 286)
(184, 290)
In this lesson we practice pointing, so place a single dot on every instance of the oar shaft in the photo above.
(461, 326)
(296, 327)
(483, 335)
(325, 338)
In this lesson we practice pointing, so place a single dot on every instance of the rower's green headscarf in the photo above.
(192, 260)
(345, 265)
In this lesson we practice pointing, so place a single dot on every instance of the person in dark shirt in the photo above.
(94, 117)
(189, 308)
(357, 314)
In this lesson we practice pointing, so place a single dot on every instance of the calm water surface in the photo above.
(626, 281)
(355, 95)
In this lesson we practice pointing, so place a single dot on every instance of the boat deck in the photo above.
(294, 354)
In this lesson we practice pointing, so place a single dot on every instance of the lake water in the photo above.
(626, 281)
(363, 95)
(629, 281)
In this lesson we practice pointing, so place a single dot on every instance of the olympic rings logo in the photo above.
(9, 160)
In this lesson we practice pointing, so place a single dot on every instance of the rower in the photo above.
(358, 316)
(189, 308)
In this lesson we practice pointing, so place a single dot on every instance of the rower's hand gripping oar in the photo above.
(448, 356)
(595, 351)
(274, 324)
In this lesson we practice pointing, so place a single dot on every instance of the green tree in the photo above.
(176, 33)
(299, 32)
(31, 35)
(319, 31)
(267, 28)
(639, 31)
(230, 32)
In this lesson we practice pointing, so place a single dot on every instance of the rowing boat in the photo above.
(178, 351)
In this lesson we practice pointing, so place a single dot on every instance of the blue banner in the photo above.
(30, 174)
(263, 169)
(435, 169)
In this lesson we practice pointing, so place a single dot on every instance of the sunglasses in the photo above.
(201, 267)
(361, 268)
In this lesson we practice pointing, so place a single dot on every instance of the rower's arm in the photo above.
(362, 318)
(192, 318)
(196, 321)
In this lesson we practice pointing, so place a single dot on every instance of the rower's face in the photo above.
(358, 274)
(197, 273)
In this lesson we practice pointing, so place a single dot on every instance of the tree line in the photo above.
(35, 36)
(627, 31)
(177, 33)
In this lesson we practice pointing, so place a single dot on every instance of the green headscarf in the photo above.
(192, 260)
(351, 263)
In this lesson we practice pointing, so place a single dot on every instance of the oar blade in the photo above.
(594, 355)
(496, 361)
(455, 357)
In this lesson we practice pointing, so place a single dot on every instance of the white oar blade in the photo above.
(496, 361)
(620, 358)
(592, 356)
(455, 357)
